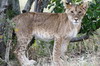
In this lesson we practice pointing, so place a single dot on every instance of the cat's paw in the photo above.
(30, 63)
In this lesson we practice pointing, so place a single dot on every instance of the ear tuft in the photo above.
(68, 5)
(84, 5)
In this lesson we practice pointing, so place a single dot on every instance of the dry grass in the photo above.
(89, 60)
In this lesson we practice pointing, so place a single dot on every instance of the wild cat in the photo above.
(60, 27)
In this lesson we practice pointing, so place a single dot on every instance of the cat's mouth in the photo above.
(76, 22)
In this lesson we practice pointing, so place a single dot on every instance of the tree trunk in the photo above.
(76, 39)
(28, 6)
(40, 5)
(5, 33)
(3, 7)
(16, 6)
(2, 27)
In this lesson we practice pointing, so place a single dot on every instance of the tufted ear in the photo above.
(84, 5)
(68, 5)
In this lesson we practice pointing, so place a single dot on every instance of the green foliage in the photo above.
(59, 8)
(74, 1)
(91, 21)
(10, 13)
(8, 31)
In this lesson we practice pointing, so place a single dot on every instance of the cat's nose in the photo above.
(76, 19)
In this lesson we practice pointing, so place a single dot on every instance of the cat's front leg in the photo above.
(57, 61)
(64, 47)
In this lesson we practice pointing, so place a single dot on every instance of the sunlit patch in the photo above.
(16, 29)
(1, 36)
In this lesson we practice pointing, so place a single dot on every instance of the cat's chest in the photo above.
(73, 33)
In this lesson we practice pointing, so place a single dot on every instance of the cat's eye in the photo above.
(79, 12)
(72, 12)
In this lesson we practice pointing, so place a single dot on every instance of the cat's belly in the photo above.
(45, 36)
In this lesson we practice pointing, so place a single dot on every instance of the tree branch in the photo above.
(4, 5)
(84, 37)
(3, 63)
(2, 60)
(40, 5)
(76, 39)
(28, 6)
(36, 5)
(15, 6)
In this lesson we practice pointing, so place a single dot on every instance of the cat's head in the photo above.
(76, 12)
